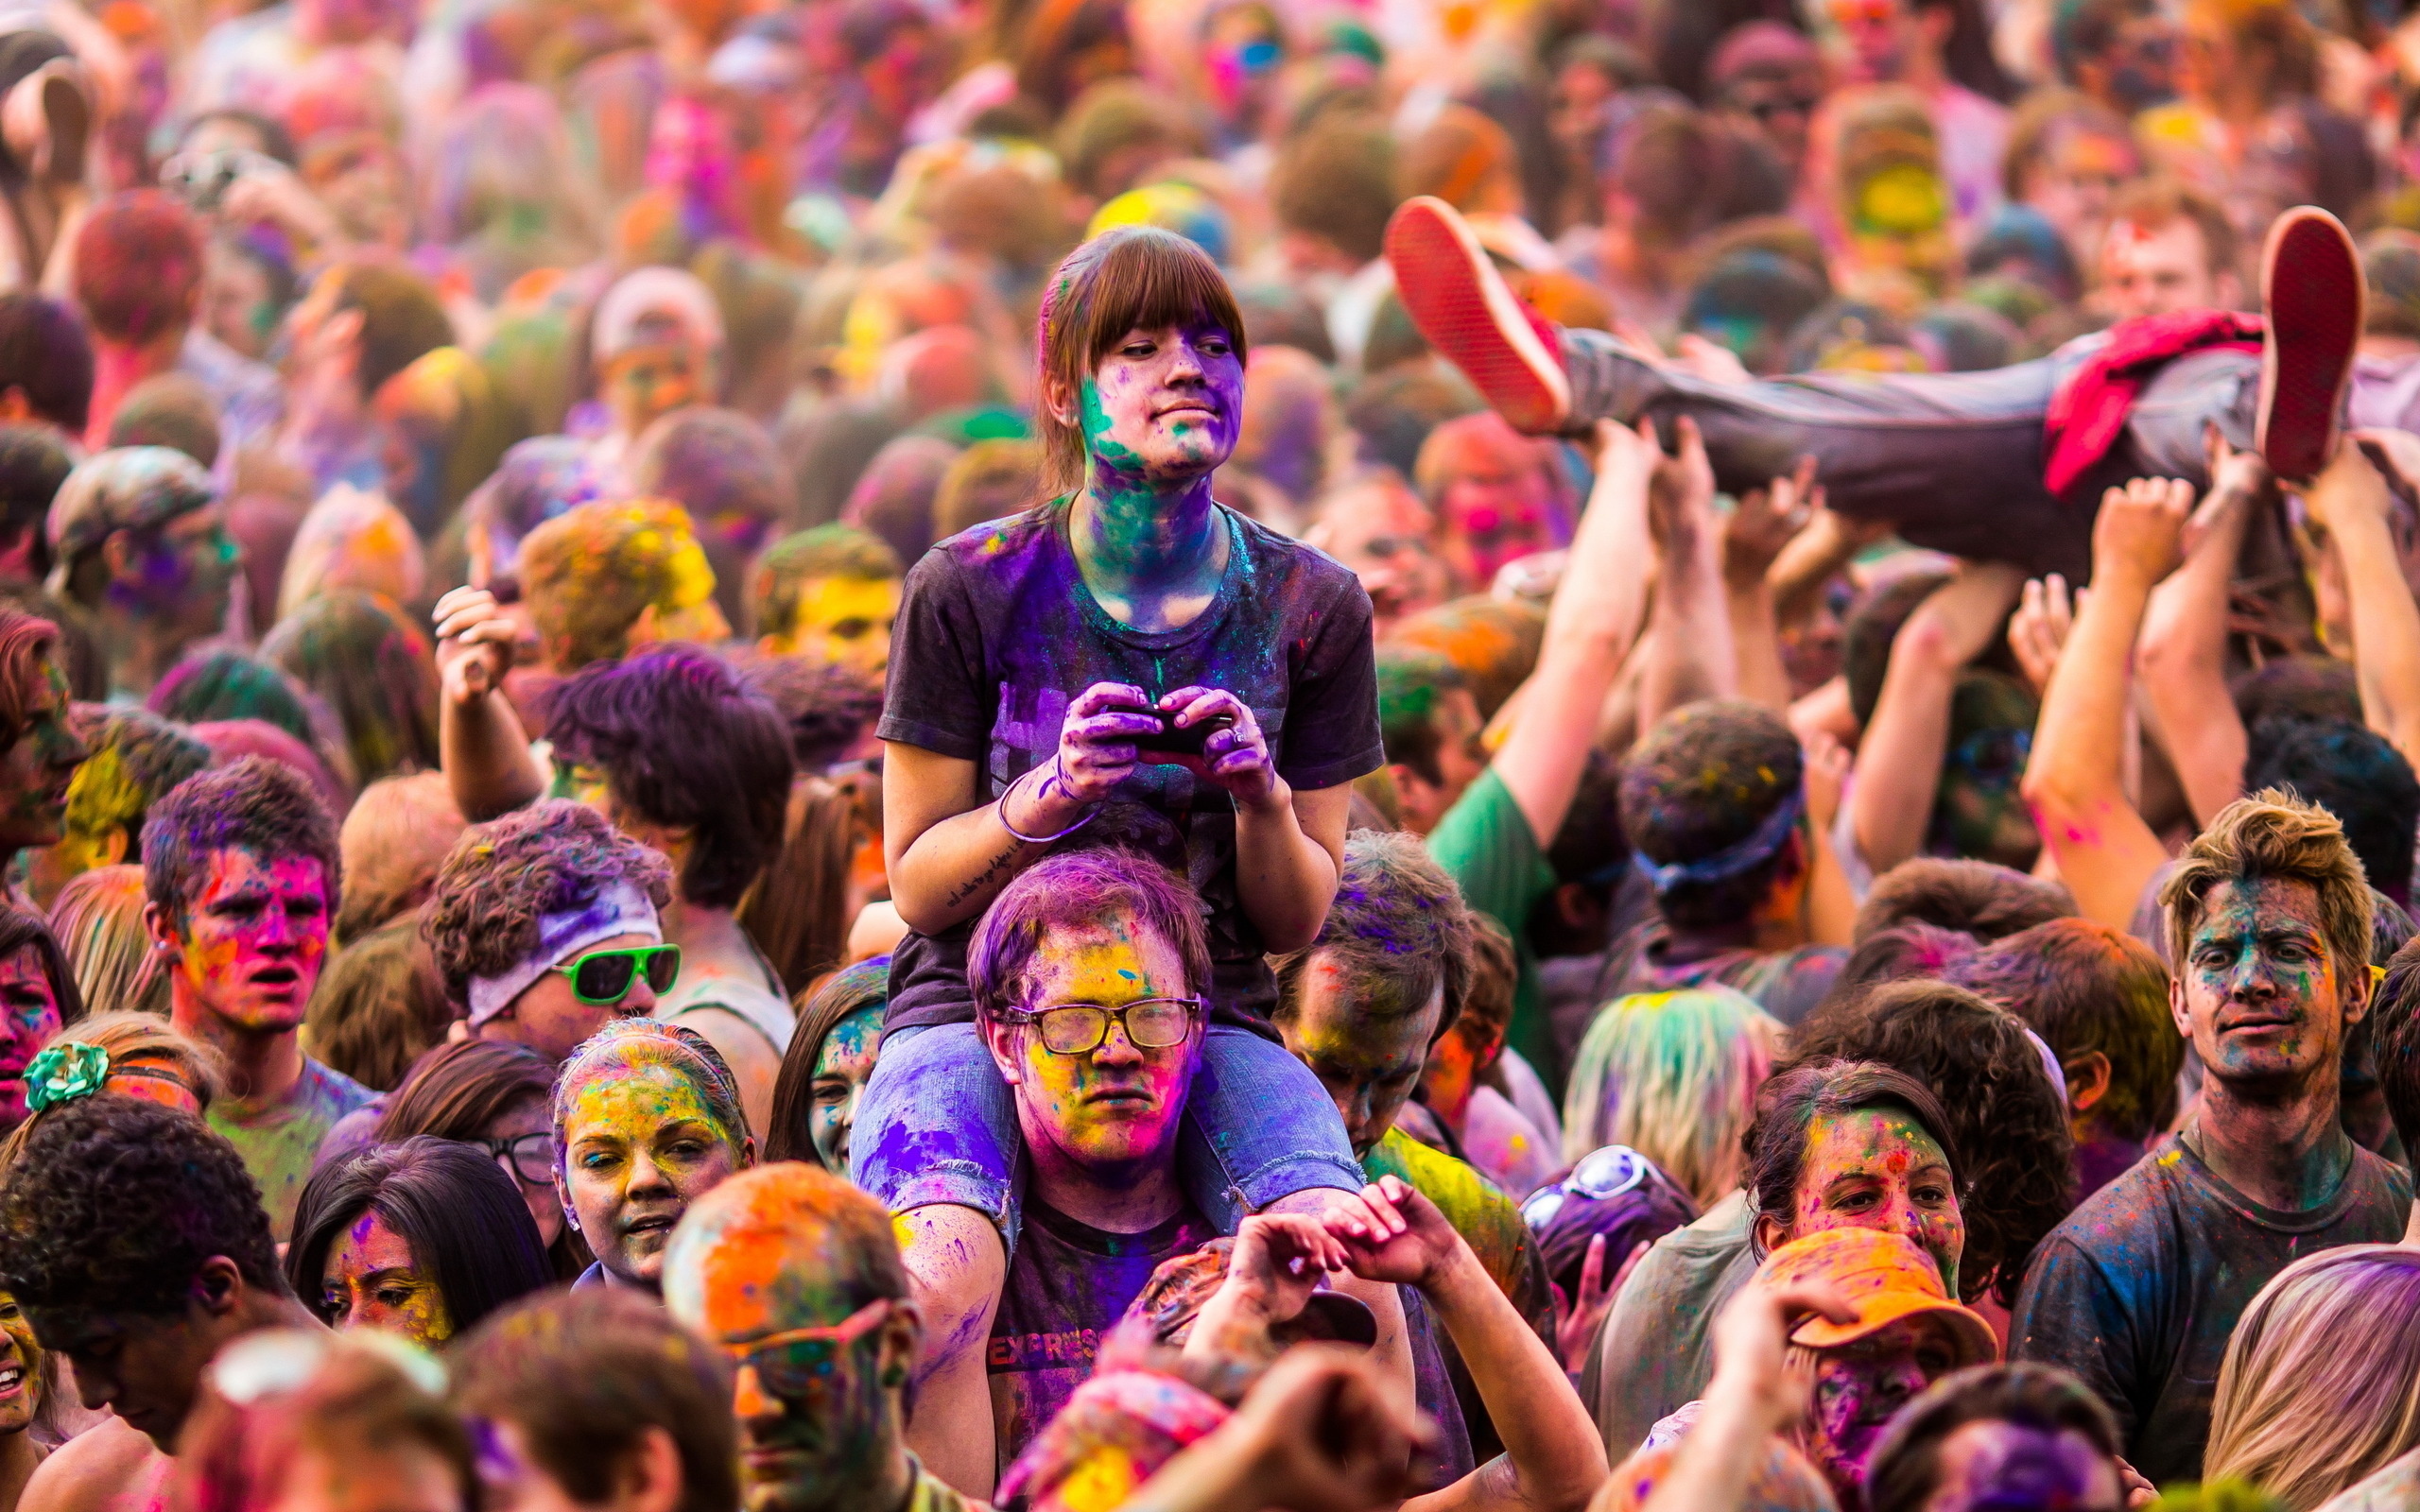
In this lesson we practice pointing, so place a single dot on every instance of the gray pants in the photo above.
(1954, 460)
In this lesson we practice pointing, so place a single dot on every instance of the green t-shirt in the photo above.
(279, 1141)
(1485, 844)
(1482, 1215)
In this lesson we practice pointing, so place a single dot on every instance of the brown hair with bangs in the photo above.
(1134, 278)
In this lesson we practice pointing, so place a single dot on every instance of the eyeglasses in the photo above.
(1600, 1176)
(603, 978)
(1079, 1028)
(794, 1362)
(530, 1157)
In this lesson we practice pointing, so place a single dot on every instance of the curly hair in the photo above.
(116, 1202)
(1788, 1104)
(503, 877)
(2008, 1125)
(264, 807)
(1398, 932)
(685, 743)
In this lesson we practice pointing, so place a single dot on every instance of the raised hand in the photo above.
(2140, 530)
(1767, 521)
(1391, 1232)
(2037, 631)
(475, 640)
(1279, 1260)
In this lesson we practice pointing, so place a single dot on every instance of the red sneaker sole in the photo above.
(1442, 278)
(2312, 284)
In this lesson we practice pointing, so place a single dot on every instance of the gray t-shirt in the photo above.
(2138, 1290)
(1656, 1352)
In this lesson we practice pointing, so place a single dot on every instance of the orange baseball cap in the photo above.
(1886, 1278)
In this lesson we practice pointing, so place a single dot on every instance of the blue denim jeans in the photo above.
(939, 1126)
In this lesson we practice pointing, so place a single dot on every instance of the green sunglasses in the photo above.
(603, 978)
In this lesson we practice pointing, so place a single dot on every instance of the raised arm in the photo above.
(1591, 626)
(1753, 1394)
(1552, 1457)
(2075, 779)
(1693, 656)
(1757, 531)
(1898, 763)
(2351, 502)
(480, 743)
(2185, 638)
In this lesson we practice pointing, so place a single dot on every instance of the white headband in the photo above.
(621, 909)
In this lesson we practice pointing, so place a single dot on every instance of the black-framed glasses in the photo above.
(530, 1157)
(794, 1362)
(1079, 1028)
(603, 978)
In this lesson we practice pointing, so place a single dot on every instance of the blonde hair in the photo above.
(1674, 1076)
(135, 1038)
(2274, 834)
(97, 918)
(2304, 1412)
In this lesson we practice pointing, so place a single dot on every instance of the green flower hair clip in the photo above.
(63, 1072)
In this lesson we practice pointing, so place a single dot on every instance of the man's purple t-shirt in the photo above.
(997, 634)
(1068, 1286)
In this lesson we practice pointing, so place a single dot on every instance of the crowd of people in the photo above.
(1209, 755)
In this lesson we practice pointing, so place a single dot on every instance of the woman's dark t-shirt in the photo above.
(997, 634)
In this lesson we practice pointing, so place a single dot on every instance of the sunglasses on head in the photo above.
(602, 978)
(794, 1362)
(1602, 1176)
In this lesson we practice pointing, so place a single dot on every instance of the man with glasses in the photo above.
(793, 1273)
(544, 928)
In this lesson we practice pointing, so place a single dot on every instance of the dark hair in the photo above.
(457, 1091)
(28, 648)
(170, 409)
(851, 989)
(19, 929)
(1871, 625)
(45, 355)
(379, 1004)
(687, 744)
(116, 1202)
(1413, 683)
(1976, 898)
(1077, 887)
(138, 265)
(468, 1228)
(1398, 932)
(264, 807)
(1790, 1101)
(827, 706)
(402, 320)
(371, 665)
(1135, 277)
(2394, 1024)
(503, 876)
(275, 140)
(2008, 1123)
(34, 462)
(2354, 773)
(584, 1374)
(1704, 780)
(2085, 987)
(1905, 1469)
